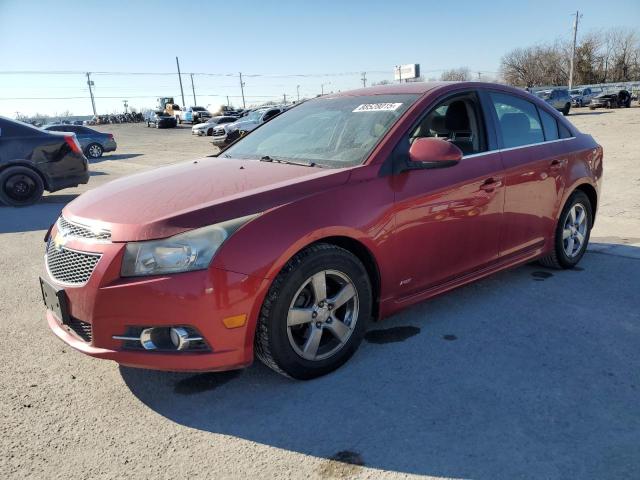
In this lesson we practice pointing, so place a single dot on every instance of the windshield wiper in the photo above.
(267, 158)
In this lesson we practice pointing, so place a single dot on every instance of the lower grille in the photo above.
(70, 266)
(81, 329)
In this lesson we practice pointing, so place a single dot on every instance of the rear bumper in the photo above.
(200, 299)
(55, 184)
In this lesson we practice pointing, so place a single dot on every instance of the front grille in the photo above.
(70, 266)
(218, 133)
(81, 329)
(72, 229)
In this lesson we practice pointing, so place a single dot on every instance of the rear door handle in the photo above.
(557, 164)
(491, 184)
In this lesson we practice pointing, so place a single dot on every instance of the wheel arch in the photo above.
(360, 251)
(592, 194)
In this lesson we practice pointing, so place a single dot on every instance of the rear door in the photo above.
(534, 162)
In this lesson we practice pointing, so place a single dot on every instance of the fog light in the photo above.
(179, 338)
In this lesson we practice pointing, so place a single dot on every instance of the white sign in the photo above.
(403, 72)
(377, 107)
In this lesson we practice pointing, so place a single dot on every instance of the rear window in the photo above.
(14, 128)
(549, 125)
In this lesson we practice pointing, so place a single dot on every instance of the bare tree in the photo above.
(461, 74)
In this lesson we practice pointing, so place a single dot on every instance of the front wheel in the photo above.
(565, 110)
(315, 313)
(572, 233)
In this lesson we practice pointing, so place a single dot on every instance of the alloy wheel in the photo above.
(574, 230)
(322, 315)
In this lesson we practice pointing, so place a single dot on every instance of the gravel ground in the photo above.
(531, 373)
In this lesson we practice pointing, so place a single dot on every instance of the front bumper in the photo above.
(200, 299)
(219, 139)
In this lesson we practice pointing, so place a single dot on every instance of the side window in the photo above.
(518, 121)
(270, 114)
(549, 125)
(457, 120)
(564, 131)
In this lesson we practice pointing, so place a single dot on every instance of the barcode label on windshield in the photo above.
(377, 107)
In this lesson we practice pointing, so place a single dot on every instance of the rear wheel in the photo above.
(94, 150)
(315, 313)
(20, 186)
(572, 233)
(565, 110)
(209, 132)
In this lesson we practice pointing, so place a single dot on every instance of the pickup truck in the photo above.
(196, 115)
(581, 97)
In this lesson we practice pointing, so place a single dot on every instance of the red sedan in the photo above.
(342, 210)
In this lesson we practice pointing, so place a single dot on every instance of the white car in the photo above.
(207, 127)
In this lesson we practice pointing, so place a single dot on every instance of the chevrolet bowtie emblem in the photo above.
(59, 240)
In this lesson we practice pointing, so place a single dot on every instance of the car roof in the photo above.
(420, 88)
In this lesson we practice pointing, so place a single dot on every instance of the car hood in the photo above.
(170, 200)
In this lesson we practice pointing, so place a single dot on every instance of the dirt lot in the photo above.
(532, 373)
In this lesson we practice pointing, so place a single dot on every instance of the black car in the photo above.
(33, 160)
(161, 120)
(611, 100)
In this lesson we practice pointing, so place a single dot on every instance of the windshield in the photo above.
(575, 92)
(544, 95)
(198, 109)
(332, 132)
(253, 116)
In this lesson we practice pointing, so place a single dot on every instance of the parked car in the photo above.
(610, 99)
(196, 115)
(93, 143)
(558, 98)
(33, 160)
(207, 127)
(347, 208)
(161, 120)
(230, 132)
(581, 97)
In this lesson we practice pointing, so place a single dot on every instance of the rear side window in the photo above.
(564, 131)
(549, 125)
(518, 121)
(10, 128)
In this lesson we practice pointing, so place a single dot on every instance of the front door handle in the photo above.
(490, 184)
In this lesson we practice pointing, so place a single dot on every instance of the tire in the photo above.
(565, 110)
(20, 186)
(210, 132)
(94, 150)
(558, 258)
(148, 124)
(289, 350)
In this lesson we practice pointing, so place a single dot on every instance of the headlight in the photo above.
(192, 250)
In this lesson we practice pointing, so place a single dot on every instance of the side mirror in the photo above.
(429, 152)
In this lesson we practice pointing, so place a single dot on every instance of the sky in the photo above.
(277, 45)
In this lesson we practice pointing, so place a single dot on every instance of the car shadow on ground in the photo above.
(114, 156)
(591, 112)
(531, 373)
(35, 217)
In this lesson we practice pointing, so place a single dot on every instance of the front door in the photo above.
(448, 220)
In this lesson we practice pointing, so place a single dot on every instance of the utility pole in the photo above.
(228, 104)
(193, 90)
(242, 90)
(180, 78)
(126, 105)
(298, 91)
(322, 87)
(93, 102)
(479, 76)
(364, 79)
(573, 49)
(284, 97)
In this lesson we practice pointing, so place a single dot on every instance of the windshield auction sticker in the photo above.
(377, 107)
